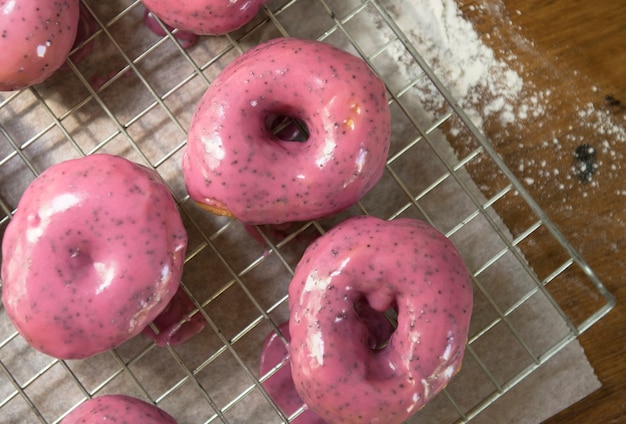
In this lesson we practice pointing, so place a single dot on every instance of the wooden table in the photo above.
(577, 50)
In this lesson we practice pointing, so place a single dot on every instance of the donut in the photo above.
(93, 254)
(403, 265)
(117, 409)
(205, 17)
(37, 37)
(234, 165)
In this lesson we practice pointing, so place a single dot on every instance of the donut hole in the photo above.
(287, 128)
(380, 325)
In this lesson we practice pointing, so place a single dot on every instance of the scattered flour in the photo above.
(602, 122)
(486, 87)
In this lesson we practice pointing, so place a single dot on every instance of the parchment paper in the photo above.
(237, 280)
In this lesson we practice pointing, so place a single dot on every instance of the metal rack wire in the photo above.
(134, 96)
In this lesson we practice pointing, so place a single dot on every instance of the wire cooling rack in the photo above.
(134, 96)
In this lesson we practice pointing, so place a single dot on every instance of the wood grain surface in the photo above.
(576, 51)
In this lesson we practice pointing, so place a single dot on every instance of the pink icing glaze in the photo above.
(35, 39)
(174, 325)
(117, 409)
(278, 232)
(403, 263)
(205, 17)
(185, 38)
(280, 385)
(232, 160)
(86, 28)
(93, 254)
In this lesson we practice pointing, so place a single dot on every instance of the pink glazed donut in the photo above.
(234, 165)
(36, 38)
(93, 254)
(403, 264)
(117, 409)
(205, 17)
